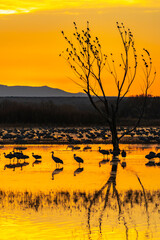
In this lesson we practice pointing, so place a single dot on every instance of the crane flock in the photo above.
(73, 136)
(17, 159)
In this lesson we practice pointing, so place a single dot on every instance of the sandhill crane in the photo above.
(158, 156)
(78, 159)
(150, 155)
(86, 148)
(123, 153)
(9, 156)
(70, 146)
(36, 156)
(18, 155)
(104, 152)
(76, 148)
(56, 159)
(24, 157)
(73, 147)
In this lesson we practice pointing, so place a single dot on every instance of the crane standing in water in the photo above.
(56, 159)
(78, 159)
(104, 152)
(36, 156)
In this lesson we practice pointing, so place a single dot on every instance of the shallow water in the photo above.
(90, 202)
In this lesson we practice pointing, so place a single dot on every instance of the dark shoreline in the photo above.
(50, 142)
(73, 112)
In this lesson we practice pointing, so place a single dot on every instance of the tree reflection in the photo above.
(109, 186)
(96, 206)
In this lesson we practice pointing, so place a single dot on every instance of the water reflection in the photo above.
(116, 201)
(16, 165)
(56, 171)
(124, 164)
(104, 161)
(152, 157)
(111, 184)
(78, 170)
(36, 162)
(71, 203)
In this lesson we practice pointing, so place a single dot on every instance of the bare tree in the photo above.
(85, 57)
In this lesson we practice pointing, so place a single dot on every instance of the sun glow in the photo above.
(7, 11)
(31, 40)
(28, 6)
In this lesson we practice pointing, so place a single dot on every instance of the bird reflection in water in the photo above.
(56, 171)
(104, 161)
(123, 163)
(78, 170)
(111, 184)
(16, 165)
(36, 162)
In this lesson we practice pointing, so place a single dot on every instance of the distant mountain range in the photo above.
(28, 91)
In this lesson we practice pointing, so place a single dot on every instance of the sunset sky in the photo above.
(31, 39)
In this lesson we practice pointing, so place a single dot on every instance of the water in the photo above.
(90, 202)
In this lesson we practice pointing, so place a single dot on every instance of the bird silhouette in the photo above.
(104, 152)
(56, 159)
(86, 148)
(36, 156)
(10, 155)
(158, 156)
(123, 153)
(78, 159)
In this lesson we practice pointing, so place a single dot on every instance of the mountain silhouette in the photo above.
(28, 91)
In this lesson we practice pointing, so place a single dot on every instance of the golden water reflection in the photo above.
(98, 200)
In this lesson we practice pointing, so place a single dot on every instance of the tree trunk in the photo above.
(115, 141)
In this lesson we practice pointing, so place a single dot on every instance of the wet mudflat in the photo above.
(102, 198)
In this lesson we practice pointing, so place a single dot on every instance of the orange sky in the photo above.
(31, 40)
